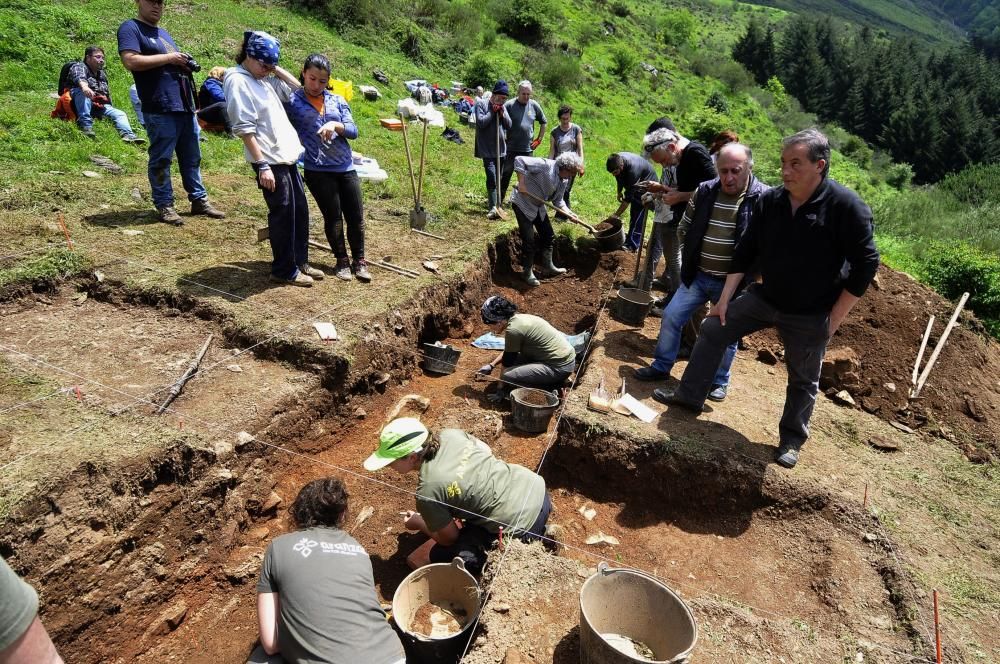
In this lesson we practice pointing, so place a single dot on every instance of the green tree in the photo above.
(677, 27)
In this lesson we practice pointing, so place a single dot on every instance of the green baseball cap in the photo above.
(399, 438)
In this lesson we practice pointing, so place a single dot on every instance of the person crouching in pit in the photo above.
(535, 353)
(538, 181)
(465, 495)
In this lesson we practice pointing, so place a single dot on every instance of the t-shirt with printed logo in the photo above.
(328, 608)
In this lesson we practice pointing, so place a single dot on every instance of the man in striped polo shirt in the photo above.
(713, 221)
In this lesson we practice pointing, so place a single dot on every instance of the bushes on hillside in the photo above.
(623, 62)
(954, 268)
(556, 71)
(482, 70)
(531, 22)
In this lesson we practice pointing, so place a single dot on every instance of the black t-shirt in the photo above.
(694, 168)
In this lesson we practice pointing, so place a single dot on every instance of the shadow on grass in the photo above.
(234, 282)
(120, 218)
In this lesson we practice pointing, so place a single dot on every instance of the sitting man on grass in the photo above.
(91, 95)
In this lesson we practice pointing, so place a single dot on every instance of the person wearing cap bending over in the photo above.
(535, 353)
(316, 598)
(465, 495)
(492, 123)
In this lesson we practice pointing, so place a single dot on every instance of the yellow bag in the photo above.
(343, 88)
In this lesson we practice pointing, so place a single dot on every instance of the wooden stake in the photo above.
(182, 381)
(939, 347)
(920, 353)
(62, 225)
(864, 503)
(501, 539)
(937, 628)
(79, 397)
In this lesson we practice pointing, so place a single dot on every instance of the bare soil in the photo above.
(155, 559)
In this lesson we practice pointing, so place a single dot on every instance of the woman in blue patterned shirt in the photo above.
(324, 124)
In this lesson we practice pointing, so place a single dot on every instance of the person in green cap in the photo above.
(465, 495)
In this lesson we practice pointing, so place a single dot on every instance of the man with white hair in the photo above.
(812, 240)
(521, 140)
(715, 218)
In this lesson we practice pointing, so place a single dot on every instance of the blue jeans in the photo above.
(686, 300)
(86, 111)
(636, 225)
(287, 220)
(490, 165)
(805, 337)
(170, 132)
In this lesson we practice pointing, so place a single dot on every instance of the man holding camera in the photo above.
(166, 90)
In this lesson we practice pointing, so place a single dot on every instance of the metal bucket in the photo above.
(531, 409)
(627, 617)
(453, 594)
(612, 236)
(440, 359)
(632, 306)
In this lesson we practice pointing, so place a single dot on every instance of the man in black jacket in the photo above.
(714, 220)
(812, 240)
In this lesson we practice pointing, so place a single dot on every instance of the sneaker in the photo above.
(88, 132)
(133, 139)
(343, 270)
(493, 214)
(360, 269)
(299, 279)
(312, 272)
(787, 456)
(670, 398)
(718, 393)
(649, 373)
(203, 207)
(168, 215)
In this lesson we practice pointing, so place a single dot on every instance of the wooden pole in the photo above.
(937, 628)
(920, 353)
(420, 177)
(191, 370)
(939, 347)
(409, 159)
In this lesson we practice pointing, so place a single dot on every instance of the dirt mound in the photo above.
(960, 399)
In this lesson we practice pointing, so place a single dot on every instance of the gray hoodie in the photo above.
(255, 106)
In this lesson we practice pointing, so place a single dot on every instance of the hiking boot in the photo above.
(299, 279)
(343, 270)
(787, 456)
(718, 393)
(550, 267)
(361, 272)
(649, 373)
(133, 139)
(88, 132)
(312, 272)
(203, 207)
(660, 284)
(670, 398)
(529, 277)
(168, 215)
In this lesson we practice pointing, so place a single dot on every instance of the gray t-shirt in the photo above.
(523, 117)
(18, 606)
(329, 611)
(464, 474)
(566, 140)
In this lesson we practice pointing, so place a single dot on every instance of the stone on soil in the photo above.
(841, 369)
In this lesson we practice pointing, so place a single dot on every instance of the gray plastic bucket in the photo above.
(632, 306)
(440, 359)
(450, 588)
(531, 409)
(627, 617)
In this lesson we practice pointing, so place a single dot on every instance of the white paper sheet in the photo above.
(637, 408)
(326, 331)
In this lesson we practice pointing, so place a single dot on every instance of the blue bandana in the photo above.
(497, 308)
(262, 46)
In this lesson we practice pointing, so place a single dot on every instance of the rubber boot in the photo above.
(529, 277)
(550, 267)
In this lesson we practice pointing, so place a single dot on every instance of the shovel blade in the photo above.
(418, 219)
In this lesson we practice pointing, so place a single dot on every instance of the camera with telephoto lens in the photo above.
(192, 64)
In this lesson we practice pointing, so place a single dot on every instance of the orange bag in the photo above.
(64, 108)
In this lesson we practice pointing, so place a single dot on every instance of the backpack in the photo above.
(64, 79)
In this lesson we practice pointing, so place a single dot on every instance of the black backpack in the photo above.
(64, 79)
